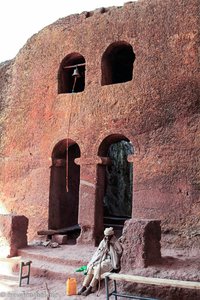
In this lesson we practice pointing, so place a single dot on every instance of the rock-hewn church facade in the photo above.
(89, 81)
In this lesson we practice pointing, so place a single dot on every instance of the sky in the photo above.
(20, 19)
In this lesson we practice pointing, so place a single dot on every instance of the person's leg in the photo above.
(99, 269)
(93, 284)
(86, 281)
(82, 289)
(96, 277)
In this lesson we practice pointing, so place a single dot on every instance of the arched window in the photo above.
(71, 74)
(117, 63)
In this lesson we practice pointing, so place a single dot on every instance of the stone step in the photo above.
(51, 270)
(41, 269)
(57, 260)
(115, 226)
(56, 263)
(65, 255)
(115, 220)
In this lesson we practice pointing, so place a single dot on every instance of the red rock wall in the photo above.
(13, 234)
(158, 111)
(141, 244)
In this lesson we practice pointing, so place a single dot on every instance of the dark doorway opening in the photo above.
(63, 201)
(119, 178)
(115, 183)
(117, 63)
(72, 64)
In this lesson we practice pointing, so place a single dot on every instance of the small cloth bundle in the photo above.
(82, 269)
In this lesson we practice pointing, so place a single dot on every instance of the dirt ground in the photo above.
(10, 290)
(182, 265)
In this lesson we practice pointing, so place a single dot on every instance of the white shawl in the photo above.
(104, 252)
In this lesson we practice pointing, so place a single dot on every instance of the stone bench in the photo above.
(144, 280)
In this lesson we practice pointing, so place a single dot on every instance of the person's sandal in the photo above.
(81, 290)
(87, 291)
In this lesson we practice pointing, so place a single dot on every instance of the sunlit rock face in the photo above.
(139, 82)
(13, 234)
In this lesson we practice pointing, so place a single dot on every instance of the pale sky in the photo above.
(20, 19)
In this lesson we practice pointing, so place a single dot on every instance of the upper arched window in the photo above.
(117, 63)
(71, 74)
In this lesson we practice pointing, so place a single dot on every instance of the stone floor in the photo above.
(10, 290)
(54, 266)
(51, 266)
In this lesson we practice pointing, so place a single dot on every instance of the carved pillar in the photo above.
(91, 199)
(87, 197)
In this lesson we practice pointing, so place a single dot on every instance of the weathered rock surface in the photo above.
(158, 111)
(13, 234)
(141, 244)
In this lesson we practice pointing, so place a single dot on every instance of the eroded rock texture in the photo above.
(156, 108)
(141, 244)
(13, 234)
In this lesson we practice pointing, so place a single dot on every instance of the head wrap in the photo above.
(109, 231)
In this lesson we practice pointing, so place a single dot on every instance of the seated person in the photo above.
(105, 259)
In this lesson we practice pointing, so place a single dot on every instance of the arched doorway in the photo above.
(114, 182)
(64, 185)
